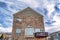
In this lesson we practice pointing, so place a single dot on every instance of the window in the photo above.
(29, 31)
(18, 20)
(55, 37)
(18, 31)
(42, 30)
(37, 30)
(59, 36)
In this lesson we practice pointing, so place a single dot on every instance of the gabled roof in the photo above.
(29, 9)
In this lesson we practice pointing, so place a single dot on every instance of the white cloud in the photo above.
(50, 8)
(52, 29)
(31, 3)
(0, 25)
(6, 30)
(7, 2)
(57, 19)
(55, 26)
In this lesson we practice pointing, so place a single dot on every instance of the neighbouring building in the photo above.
(6, 36)
(54, 36)
(26, 24)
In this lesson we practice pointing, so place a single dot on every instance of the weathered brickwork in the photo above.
(28, 18)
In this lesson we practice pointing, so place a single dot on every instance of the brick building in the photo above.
(26, 23)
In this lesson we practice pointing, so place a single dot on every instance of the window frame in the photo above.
(29, 35)
(19, 31)
(37, 30)
(18, 19)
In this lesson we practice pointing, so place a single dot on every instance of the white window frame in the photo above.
(31, 32)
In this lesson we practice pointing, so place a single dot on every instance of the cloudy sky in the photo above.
(50, 9)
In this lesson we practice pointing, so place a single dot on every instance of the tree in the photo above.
(1, 37)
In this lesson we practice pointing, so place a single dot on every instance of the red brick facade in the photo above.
(27, 18)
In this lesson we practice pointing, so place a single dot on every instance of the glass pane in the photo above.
(18, 20)
(18, 31)
(59, 36)
(29, 31)
(42, 30)
(55, 37)
(37, 30)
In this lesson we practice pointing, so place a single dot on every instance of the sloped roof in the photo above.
(29, 9)
(58, 32)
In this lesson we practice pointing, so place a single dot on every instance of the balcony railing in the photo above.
(41, 34)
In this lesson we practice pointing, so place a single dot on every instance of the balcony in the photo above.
(41, 34)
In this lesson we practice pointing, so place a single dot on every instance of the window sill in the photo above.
(28, 36)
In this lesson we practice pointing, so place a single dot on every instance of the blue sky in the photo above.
(50, 9)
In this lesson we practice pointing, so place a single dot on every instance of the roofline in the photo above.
(20, 11)
(30, 8)
(54, 33)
